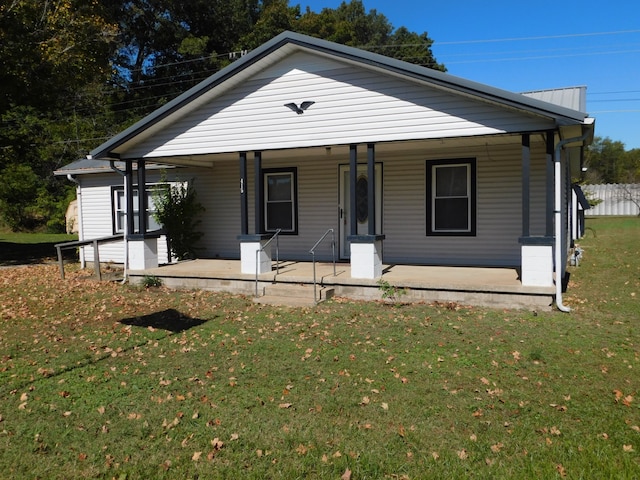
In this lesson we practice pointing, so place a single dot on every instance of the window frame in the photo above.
(115, 212)
(266, 173)
(432, 167)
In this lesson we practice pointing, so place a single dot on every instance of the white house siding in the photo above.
(353, 105)
(97, 220)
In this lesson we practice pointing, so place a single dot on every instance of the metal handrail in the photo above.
(313, 256)
(275, 236)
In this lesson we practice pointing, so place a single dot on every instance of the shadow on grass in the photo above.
(170, 319)
(28, 253)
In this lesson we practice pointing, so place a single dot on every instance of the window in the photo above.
(451, 197)
(120, 204)
(280, 202)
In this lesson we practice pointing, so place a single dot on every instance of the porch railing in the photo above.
(96, 242)
(262, 248)
(313, 256)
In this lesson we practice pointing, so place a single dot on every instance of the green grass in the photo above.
(102, 380)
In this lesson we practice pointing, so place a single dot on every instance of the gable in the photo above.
(352, 105)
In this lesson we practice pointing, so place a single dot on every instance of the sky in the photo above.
(523, 46)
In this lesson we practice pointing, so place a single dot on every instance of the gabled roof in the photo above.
(289, 42)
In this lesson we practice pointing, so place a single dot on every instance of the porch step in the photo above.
(293, 295)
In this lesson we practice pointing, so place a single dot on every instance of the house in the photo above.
(408, 165)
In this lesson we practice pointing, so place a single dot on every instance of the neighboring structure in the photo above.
(613, 199)
(409, 165)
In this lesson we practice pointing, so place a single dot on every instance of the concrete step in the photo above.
(292, 294)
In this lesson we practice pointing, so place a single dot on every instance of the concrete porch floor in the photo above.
(494, 287)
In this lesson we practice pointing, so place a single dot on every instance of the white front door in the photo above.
(362, 205)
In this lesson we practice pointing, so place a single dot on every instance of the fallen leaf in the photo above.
(561, 470)
(627, 448)
(346, 475)
(497, 447)
(217, 443)
(618, 395)
(196, 456)
(285, 405)
(463, 454)
(365, 401)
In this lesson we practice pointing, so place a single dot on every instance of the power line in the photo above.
(544, 37)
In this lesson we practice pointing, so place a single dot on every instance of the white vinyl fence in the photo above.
(616, 199)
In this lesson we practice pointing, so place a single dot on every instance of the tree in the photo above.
(350, 24)
(53, 53)
(604, 160)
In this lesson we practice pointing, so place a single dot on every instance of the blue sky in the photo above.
(522, 46)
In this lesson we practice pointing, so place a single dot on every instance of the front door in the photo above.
(362, 205)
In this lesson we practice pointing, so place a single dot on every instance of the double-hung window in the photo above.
(451, 197)
(119, 203)
(280, 202)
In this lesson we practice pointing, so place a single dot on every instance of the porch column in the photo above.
(526, 175)
(143, 248)
(371, 193)
(353, 180)
(252, 258)
(129, 197)
(366, 250)
(244, 201)
(259, 192)
(550, 137)
(536, 262)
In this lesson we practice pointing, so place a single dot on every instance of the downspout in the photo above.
(126, 216)
(73, 179)
(557, 210)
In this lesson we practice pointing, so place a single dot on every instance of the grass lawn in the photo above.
(103, 380)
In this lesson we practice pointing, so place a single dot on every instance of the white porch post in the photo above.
(536, 261)
(366, 250)
(252, 258)
(142, 247)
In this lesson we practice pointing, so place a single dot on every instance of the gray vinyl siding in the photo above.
(499, 203)
(218, 190)
(353, 105)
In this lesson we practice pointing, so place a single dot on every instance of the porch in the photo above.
(492, 287)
